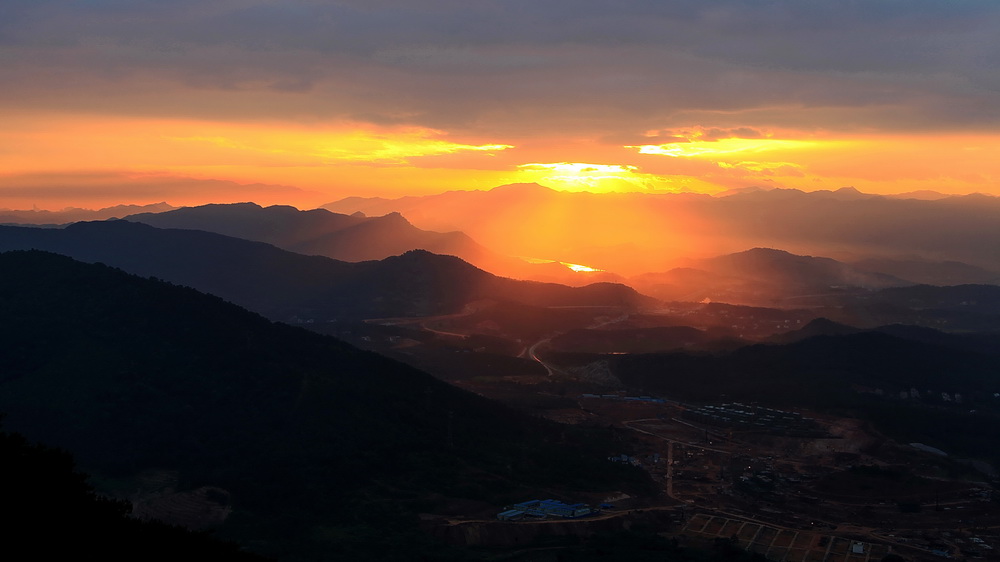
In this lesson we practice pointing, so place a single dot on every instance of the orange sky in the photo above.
(104, 161)
(303, 103)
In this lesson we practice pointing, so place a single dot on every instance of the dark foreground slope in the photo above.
(323, 449)
(54, 514)
(283, 285)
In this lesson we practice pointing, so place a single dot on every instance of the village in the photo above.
(788, 485)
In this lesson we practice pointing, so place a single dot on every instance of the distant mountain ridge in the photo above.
(317, 232)
(929, 272)
(785, 269)
(983, 343)
(634, 233)
(355, 237)
(760, 276)
(284, 285)
(69, 215)
(818, 370)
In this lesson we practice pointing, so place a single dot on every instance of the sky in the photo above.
(306, 101)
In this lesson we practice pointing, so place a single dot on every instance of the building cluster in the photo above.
(544, 509)
(914, 394)
(624, 398)
(626, 459)
(742, 416)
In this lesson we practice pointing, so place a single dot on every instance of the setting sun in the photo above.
(578, 176)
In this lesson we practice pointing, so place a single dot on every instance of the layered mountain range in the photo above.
(756, 276)
(183, 249)
(285, 285)
(634, 233)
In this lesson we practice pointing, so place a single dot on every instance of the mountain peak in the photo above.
(767, 251)
(394, 217)
(523, 188)
(761, 252)
(848, 193)
(825, 326)
(743, 191)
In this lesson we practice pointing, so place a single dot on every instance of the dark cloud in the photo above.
(709, 134)
(578, 65)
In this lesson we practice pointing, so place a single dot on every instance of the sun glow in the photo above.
(580, 168)
(581, 268)
(352, 145)
(314, 158)
(58, 160)
(582, 176)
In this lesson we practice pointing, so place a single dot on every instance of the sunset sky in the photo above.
(304, 102)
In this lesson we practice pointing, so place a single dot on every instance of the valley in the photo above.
(838, 486)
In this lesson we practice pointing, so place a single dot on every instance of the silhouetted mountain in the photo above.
(842, 194)
(980, 342)
(959, 308)
(760, 276)
(977, 299)
(69, 215)
(284, 285)
(815, 371)
(390, 235)
(280, 225)
(791, 272)
(923, 194)
(580, 227)
(817, 327)
(318, 231)
(930, 272)
(954, 228)
(321, 450)
(354, 237)
(537, 222)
